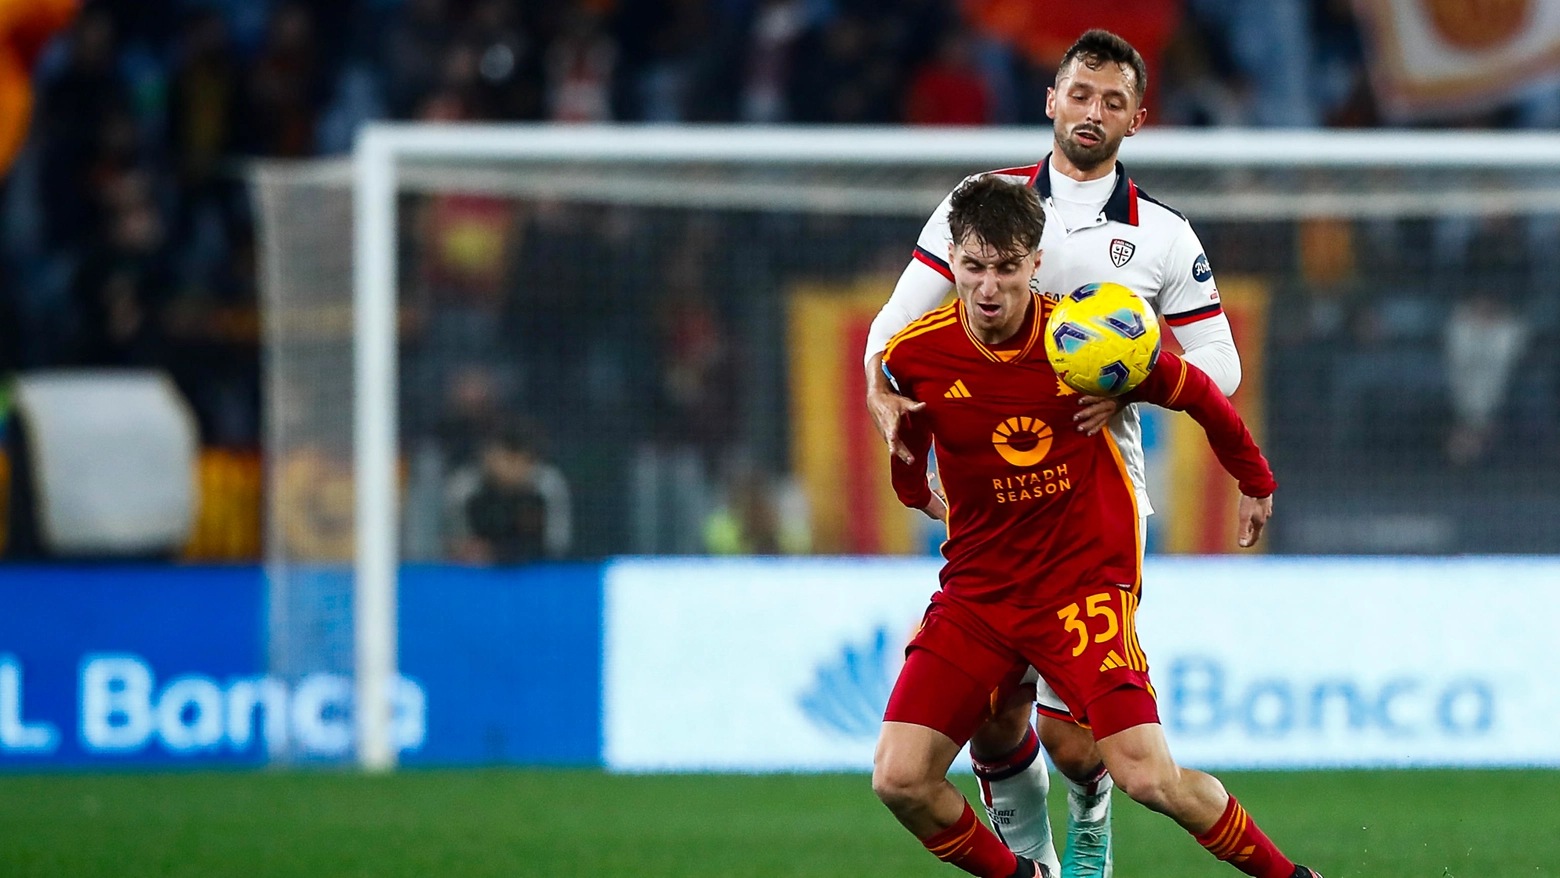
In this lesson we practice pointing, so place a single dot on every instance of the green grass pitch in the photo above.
(585, 824)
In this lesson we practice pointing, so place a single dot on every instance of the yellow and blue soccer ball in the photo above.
(1102, 339)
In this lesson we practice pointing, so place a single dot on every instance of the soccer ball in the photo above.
(1102, 339)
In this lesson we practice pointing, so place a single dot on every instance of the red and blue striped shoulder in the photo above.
(933, 261)
(1194, 315)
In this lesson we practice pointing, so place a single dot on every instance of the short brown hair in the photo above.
(1097, 48)
(1007, 216)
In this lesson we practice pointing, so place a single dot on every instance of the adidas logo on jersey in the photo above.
(1112, 660)
(957, 391)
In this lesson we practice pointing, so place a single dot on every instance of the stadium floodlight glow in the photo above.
(1298, 174)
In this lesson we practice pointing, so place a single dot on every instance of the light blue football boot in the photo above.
(1088, 853)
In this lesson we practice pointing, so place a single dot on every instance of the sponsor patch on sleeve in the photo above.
(1200, 270)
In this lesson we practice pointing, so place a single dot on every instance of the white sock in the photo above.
(1086, 803)
(1013, 790)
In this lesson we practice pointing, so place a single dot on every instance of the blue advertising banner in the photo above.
(786, 663)
(165, 666)
(106, 666)
(510, 660)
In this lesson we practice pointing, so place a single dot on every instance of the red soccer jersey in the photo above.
(1035, 508)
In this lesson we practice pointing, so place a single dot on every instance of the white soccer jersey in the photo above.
(1135, 241)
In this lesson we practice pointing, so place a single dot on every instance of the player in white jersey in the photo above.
(1099, 227)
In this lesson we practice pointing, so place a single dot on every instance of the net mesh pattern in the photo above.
(638, 318)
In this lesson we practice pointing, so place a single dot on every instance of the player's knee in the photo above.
(898, 784)
(1003, 733)
(1148, 783)
(1071, 748)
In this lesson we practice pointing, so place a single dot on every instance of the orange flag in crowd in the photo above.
(25, 28)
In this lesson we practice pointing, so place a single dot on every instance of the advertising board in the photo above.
(772, 665)
(744, 665)
(158, 666)
(1258, 662)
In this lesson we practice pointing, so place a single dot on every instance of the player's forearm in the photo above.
(877, 379)
(1181, 386)
(1209, 345)
(1231, 441)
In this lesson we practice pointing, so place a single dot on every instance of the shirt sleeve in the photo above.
(920, 289)
(1210, 346)
(922, 286)
(1180, 386)
(1188, 294)
(910, 482)
(1189, 301)
(931, 248)
(909, 479)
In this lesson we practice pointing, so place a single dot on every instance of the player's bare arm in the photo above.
(888, 409)
(920, 288)
(1251, 517)
(936, 508)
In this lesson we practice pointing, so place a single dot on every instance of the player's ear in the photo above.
(1138, 119)
(1050, 101)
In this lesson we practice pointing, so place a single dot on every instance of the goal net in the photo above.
(657, 334)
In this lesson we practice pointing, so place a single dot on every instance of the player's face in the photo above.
(1093, 110)
(994, 286)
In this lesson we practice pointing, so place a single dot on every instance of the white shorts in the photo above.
(1046, 699)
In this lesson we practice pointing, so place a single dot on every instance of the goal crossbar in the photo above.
(972, 147)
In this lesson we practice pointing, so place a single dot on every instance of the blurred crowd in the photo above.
(130, 238)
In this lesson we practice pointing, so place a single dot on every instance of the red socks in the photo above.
(1237, 840)
(972, 847)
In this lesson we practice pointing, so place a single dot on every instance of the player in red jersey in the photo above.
(1042, 552)
(1100, 226)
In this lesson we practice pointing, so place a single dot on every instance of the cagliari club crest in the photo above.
(1121, 251)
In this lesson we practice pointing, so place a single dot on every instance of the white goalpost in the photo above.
(374, 426)
(1221, 178)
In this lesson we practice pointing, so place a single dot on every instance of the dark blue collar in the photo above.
(1121, 207)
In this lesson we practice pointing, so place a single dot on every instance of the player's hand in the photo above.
(937, 510)
(1252, 515)
(1096, 412)
(888, 409)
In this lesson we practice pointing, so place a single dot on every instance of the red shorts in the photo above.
(977, 654)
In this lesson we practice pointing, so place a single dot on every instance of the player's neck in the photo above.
(1066, 168)
(1001, 334)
